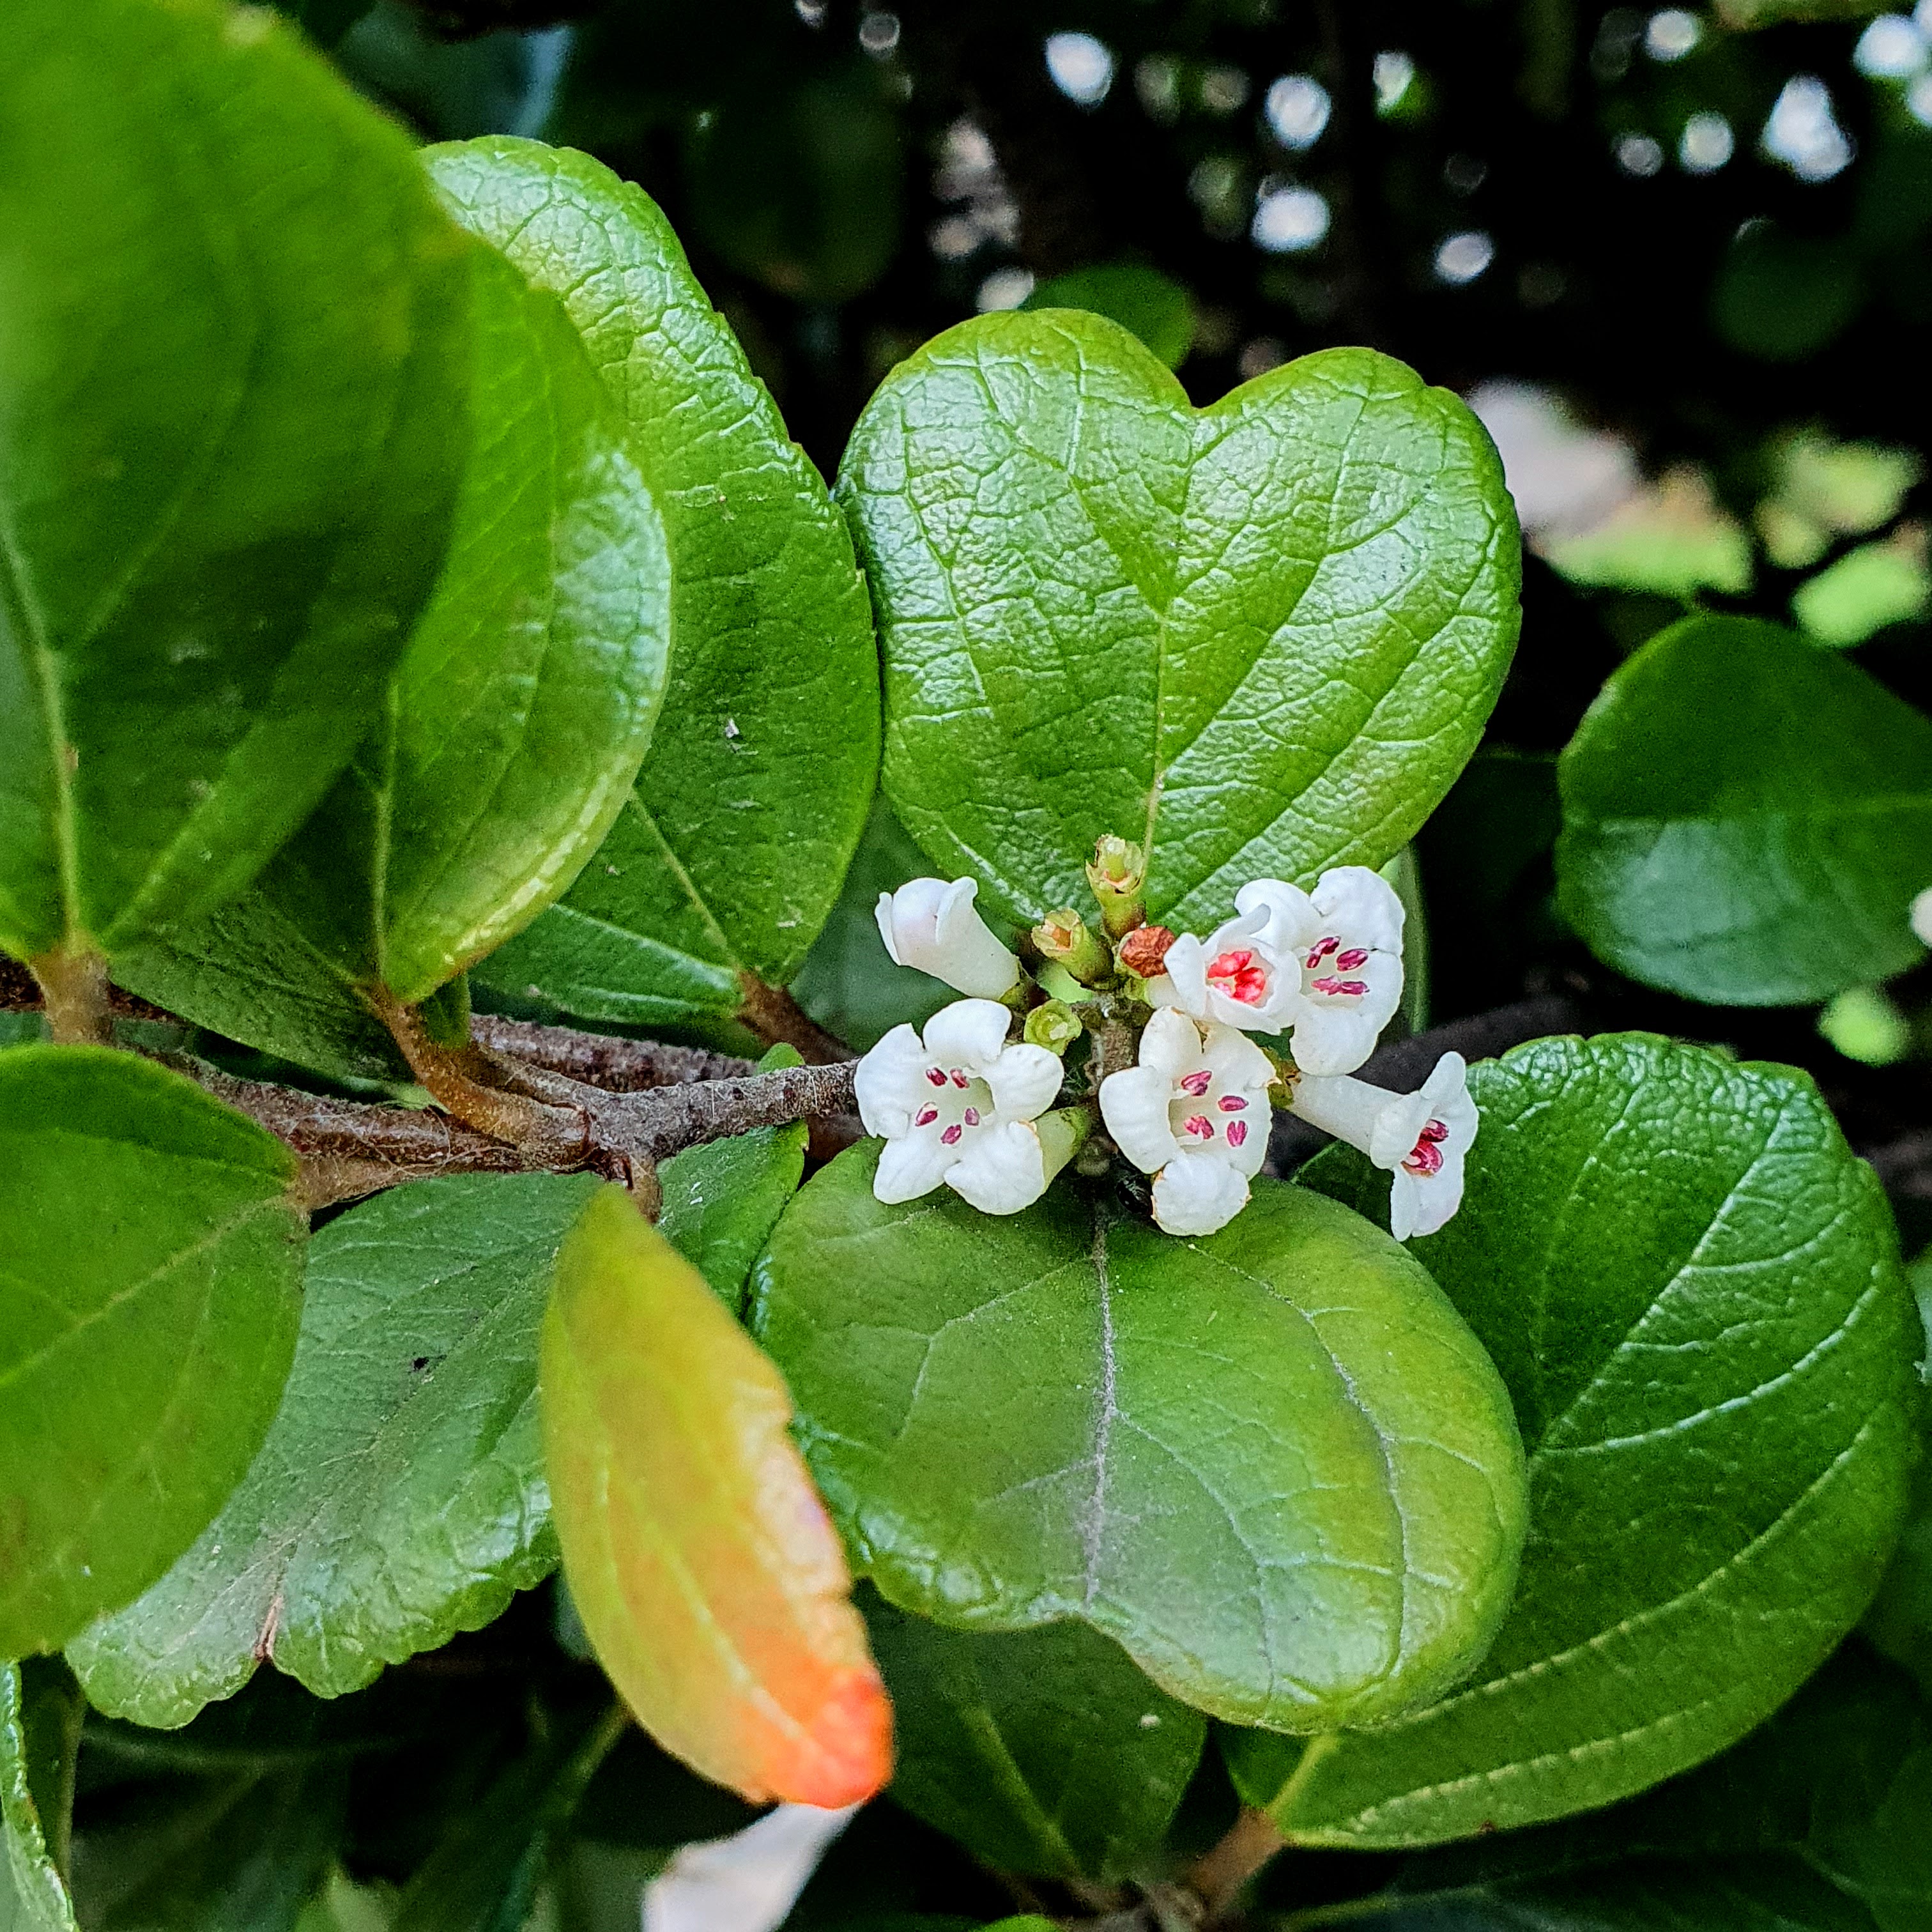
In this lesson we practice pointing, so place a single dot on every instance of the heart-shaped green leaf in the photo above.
(1746, 818)
(150, 1276)
(1044, 1752)
(730, 852)
(1692, 1290)
(521, 710)
(1263, 636)
(232, 380)
(1273, 1465)
(32, 1897)
(400, 1497)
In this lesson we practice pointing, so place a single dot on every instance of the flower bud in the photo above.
(1118, 874)
(1053, 1026)
(1065, 938)
(1143, 949)
(934, 926)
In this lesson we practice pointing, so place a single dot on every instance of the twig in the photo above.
(618, 1065)
(1221, 1876)
(772, 1011)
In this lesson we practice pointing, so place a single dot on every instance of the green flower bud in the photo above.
(1118, 874)
(1053, 1026)
(1064, 938)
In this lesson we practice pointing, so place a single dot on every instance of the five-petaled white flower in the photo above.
(1326, 965)
(958, 1106)
(935, 927)
(1193, 1113)
(1422, 1139)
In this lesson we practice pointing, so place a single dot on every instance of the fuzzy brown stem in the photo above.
(1219, 1878)
(598, 1060)
(775, 1015)
(73, 989)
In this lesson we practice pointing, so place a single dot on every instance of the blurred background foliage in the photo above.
(1679, 260)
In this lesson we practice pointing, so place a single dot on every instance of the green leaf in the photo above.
(484, 1875)
(722, 1199)
(400, 1495)
(148, 1302)
(1272, 1464)
(521, 710)
(232, 382)
(707, 1579)
(731, 851)
(1746, 818)
(32, 1898)
(848, 983)
(1143, 300)
(233, 1852)
(1264, 636)
(1815, 1823)
(1899, 1621)
(1693, 1292)
(1043, 1752)
(248, 970)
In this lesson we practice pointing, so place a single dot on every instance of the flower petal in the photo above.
(913, 1164)
(1195, 1194)
(969, 1033)
(1170, 1043)
(1235, 1059)
(1184, 983)
(1134, 1104)
(1025, 1081)
(890, 1082)
(968, 951)
(1334, 1037)
(1002, 1171)
(1361, 906)
(1291, 918)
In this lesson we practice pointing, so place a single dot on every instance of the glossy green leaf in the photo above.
(731, 851)
(32, 1898)
(400, 1495)
(248, 970)
(1264, 636)
(1815, 1823)
(1899, 1621)
(1272, 1464)
(722, 1199)
(231, 381)
(848, 983)
(1693, 1292)
(1043, 1752)
(700, 1561)
(1143, 300)
(149, 1295)
(522, 709)
(1746, 818)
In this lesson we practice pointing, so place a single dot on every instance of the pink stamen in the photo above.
(1436, 1131)
(1425, 1159)
(951, 1136)
(1354, 987)
(926, 1116)
(1347, 962)
(1231, 1103)
(972, 1116)
(960, 1078)
(1236, 975)
(1197, 1083)
(937, 1078)
(1320, 951)
(1199, 1125)
(1237, 1131)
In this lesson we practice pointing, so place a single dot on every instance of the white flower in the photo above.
(958, 1106)
(1422, 1139)
(936, 927)
(1194, 1113)
(1922, 916)
(1326, 964)
(1345, 937)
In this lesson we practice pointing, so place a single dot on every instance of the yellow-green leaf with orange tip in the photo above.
(709, 1577)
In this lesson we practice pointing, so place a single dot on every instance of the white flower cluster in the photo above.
(960, 1107)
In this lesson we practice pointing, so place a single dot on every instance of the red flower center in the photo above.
(1239, 976)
